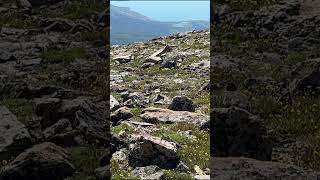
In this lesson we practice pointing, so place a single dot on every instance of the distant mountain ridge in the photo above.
(129, 26)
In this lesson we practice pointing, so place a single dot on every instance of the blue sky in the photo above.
(169, 10)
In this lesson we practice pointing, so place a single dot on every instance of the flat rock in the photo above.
(123, 58)
(158, 115)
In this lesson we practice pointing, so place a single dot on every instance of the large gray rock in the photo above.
(158, 115)
(92, 122)
(43, 161)
(150, 150)
(238, 133)
(250, 169)
(121, 114)
(47, 109)
(182, 103)
(14, 137)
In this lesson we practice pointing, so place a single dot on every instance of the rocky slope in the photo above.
(265, 90)
(160, 107)
(53, 86)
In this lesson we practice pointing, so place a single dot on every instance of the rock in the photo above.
(68, 107)
(35, 130)
(47, 109)
(169, 63)
(123, 59)
(305, 77)
(23, 4)
(182, 103)
(201, 177)
(114, 104)
(182, 167)
(42, 161)
(121, 114)
(148, 173)
(238, 133)
(147, 65)
(5, 57)
(92, 123)
(60, 25)
(250, 169)
(61, 126)
(122, 158)
(14, 89)
(149, 150)
(153, 60)
(79, 74)
(14, 136)
(158, 115)
(103, 173)
(161, 51)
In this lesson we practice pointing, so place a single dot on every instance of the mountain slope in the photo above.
(129, 26)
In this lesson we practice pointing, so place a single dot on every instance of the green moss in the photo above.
(197, 151)
(191, 60)
(173, 175)
(136, 113)
(86, 158)
(299, 119)
(121, 127)
(173, 135)
(56, 56)
(129, 78)
(22, 108)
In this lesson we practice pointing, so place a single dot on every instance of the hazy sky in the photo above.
(169, 10)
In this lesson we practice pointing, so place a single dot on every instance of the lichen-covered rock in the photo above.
(149, 150)
(43, 161)
(158, 115)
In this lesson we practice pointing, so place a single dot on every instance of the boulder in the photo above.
(43, 161)
(47, 109)
(122, 59)
(158, 115)
(15, 137)
(238, 133)
(92, 123)
(182, 103)
(149, 150)
(121, 114)
(61, 126)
